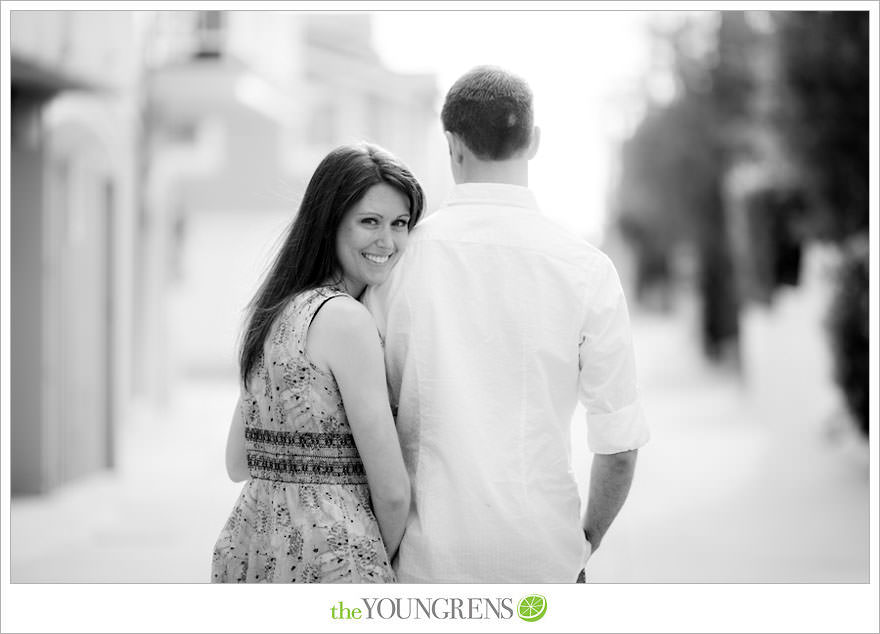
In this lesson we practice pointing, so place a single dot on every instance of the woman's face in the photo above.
(371, 237)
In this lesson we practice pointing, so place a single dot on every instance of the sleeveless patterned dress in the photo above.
(305, 515)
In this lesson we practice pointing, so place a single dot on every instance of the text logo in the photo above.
(439, 608)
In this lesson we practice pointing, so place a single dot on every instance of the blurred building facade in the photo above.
(241, 108)
(262, 97)
(126, 125)
(73, 224)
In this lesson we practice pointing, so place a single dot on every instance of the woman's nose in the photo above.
(384, 239)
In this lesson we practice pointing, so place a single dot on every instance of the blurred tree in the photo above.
(847, 324)
(673, 169)
(787, 88)
(822, 114)
(822, 117)
(668, 171)
(773, 225)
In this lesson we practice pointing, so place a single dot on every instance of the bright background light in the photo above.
(585, 68)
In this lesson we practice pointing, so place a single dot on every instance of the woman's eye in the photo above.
(401, 223)
(369, 221)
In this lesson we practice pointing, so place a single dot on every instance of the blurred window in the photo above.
(210, 34)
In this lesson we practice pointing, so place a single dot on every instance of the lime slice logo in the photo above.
(532, 608)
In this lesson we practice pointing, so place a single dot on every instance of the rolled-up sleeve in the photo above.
(608, 387)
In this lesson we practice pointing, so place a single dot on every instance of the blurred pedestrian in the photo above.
(495, 324)
(326, 492)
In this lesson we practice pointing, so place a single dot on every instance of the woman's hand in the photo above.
(236, 454)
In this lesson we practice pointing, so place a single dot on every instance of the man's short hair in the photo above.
(490, 109)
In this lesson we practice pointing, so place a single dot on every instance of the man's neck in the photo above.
(513, 172)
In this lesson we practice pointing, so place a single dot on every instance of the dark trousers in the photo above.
(582, 578)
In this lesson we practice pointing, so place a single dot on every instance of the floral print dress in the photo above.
(305, 515)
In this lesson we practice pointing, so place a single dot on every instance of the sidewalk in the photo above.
(723, 493)
(731, 490)
(155, 519)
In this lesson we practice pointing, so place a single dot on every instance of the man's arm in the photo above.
(610, 479)
(608, 389)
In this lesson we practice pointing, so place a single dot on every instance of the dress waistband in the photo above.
(304, 440)
(307, 469)
(304, 457)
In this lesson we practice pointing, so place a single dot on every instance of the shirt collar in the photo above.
(492, 194)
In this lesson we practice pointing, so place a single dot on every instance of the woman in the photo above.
(327, 493)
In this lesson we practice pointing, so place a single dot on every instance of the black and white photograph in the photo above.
(440, 300)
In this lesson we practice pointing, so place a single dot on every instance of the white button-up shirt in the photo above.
(496, 321)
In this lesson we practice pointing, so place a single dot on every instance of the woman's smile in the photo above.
(378, 259)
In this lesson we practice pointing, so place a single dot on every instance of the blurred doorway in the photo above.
(80, 319)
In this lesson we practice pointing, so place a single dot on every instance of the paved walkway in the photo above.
(731, 489)
(725, 492)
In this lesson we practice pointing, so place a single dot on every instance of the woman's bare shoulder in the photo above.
(342, 328)
(342, 314)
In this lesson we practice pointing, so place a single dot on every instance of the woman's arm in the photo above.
(343, 337)
(236, 455)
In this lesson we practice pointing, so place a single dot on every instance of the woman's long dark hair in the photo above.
(308, 258)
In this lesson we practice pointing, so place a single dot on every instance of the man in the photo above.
(496, 321)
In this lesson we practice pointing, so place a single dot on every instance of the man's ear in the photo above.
(456, 155)
(534, 143)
